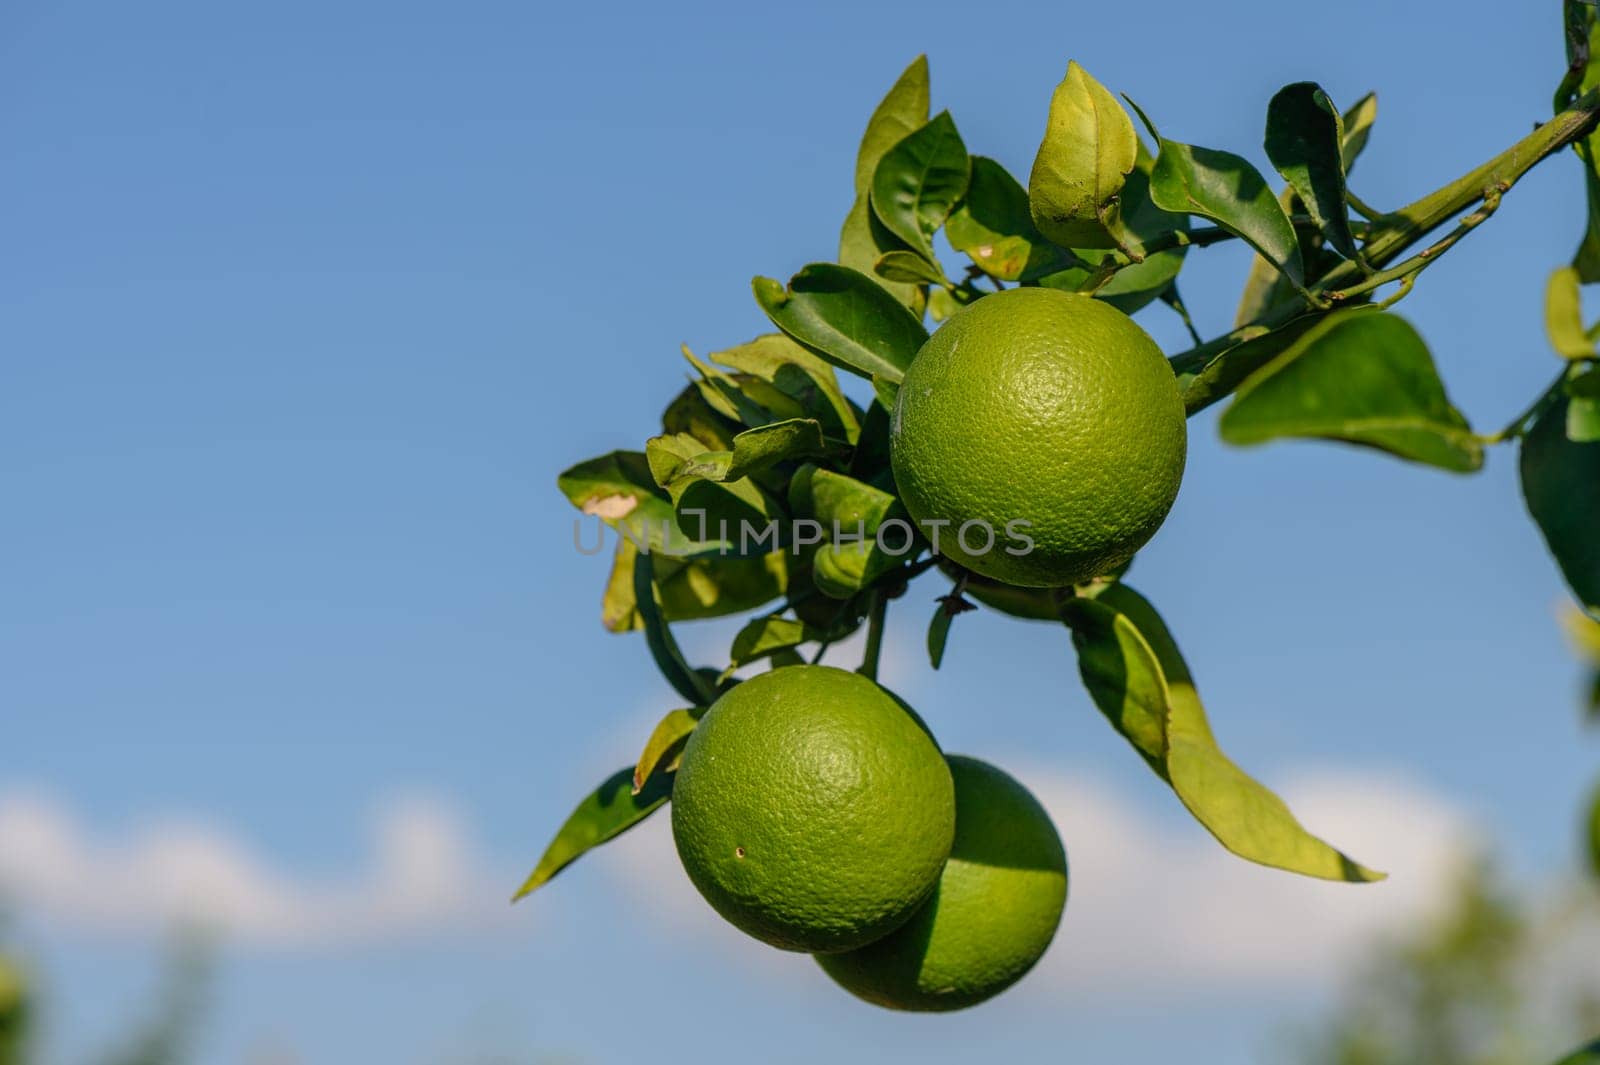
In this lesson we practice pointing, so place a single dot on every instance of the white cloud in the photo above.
(421, 875)
(1154, 901)
(1161, 905)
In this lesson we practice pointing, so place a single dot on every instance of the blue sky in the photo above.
(307, 305)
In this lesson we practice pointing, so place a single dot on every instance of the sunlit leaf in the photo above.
(764, 637)
(1137, 284)
(850, 513)
(919, 181)
(1088, 149)
(1561, 485)
(1360, 376)
(845, 317)
(994, 228)
(863, 238)
(706, 586)
(1305, 141)
(606, 813)
(1229, 191)
(1357, 123)
(1563, 316)
(619, 490)
(798, 374)
(1589, 1055)
(1138, 679)
(909, 266)
(661, 750)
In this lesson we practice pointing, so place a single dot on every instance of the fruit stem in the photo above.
(875, 623)
(1393, 233)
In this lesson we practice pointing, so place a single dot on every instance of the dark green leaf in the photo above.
(1088, 149)
(863, 238)
(661, 750)
(850, 513)
(658, 634)
(745, 398)
(1563, 316)
(1561, 484)
(994, 228)
(707, 586)
(1357, 124)
(938, 634)
(1137, 677)
(1305, 141)
(608, 812)
(1363, 377)
(1225, 188)
(844, 317)
(764, 637)
(908, 266)
(1230, 367)
(919, 181)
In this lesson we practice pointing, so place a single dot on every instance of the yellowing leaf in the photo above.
(1137, 677)
(1089, 147)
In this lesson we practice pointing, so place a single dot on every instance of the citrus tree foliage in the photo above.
(1456, 991)
(1114, 207)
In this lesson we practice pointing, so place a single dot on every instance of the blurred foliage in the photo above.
(1460, 990)
(164, 1037)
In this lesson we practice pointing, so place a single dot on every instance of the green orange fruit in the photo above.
(995, 911)
(1041, 435)
(812, 809)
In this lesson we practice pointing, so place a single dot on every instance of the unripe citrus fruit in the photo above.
(1041, 407)
(812, 809)
(993, 914)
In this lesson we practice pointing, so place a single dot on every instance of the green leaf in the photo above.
(1357, 123)
(844, 316)
(690, 413)
(1583, 420)
(1138, 679)
(1363, 377)
(938, 635)
(1231, 367)
(744, 398)
(797, 374)
(707, 586)
(710, 503)
(863, 239)
(1137, 284)
(1305, 141)
(1563, 316)
(1561, 485)
(765, 637)
(753, 450)
(919, 181)
(1088, 149)
(619, 489)
(851, 513)
(1229, 191)
(662, 749)
(606, 813)
(909, 266)
(993, 227)
(658, 635)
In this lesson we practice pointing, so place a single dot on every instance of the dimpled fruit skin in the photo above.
(994, 912)
(1044, 406)
(812, 809)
